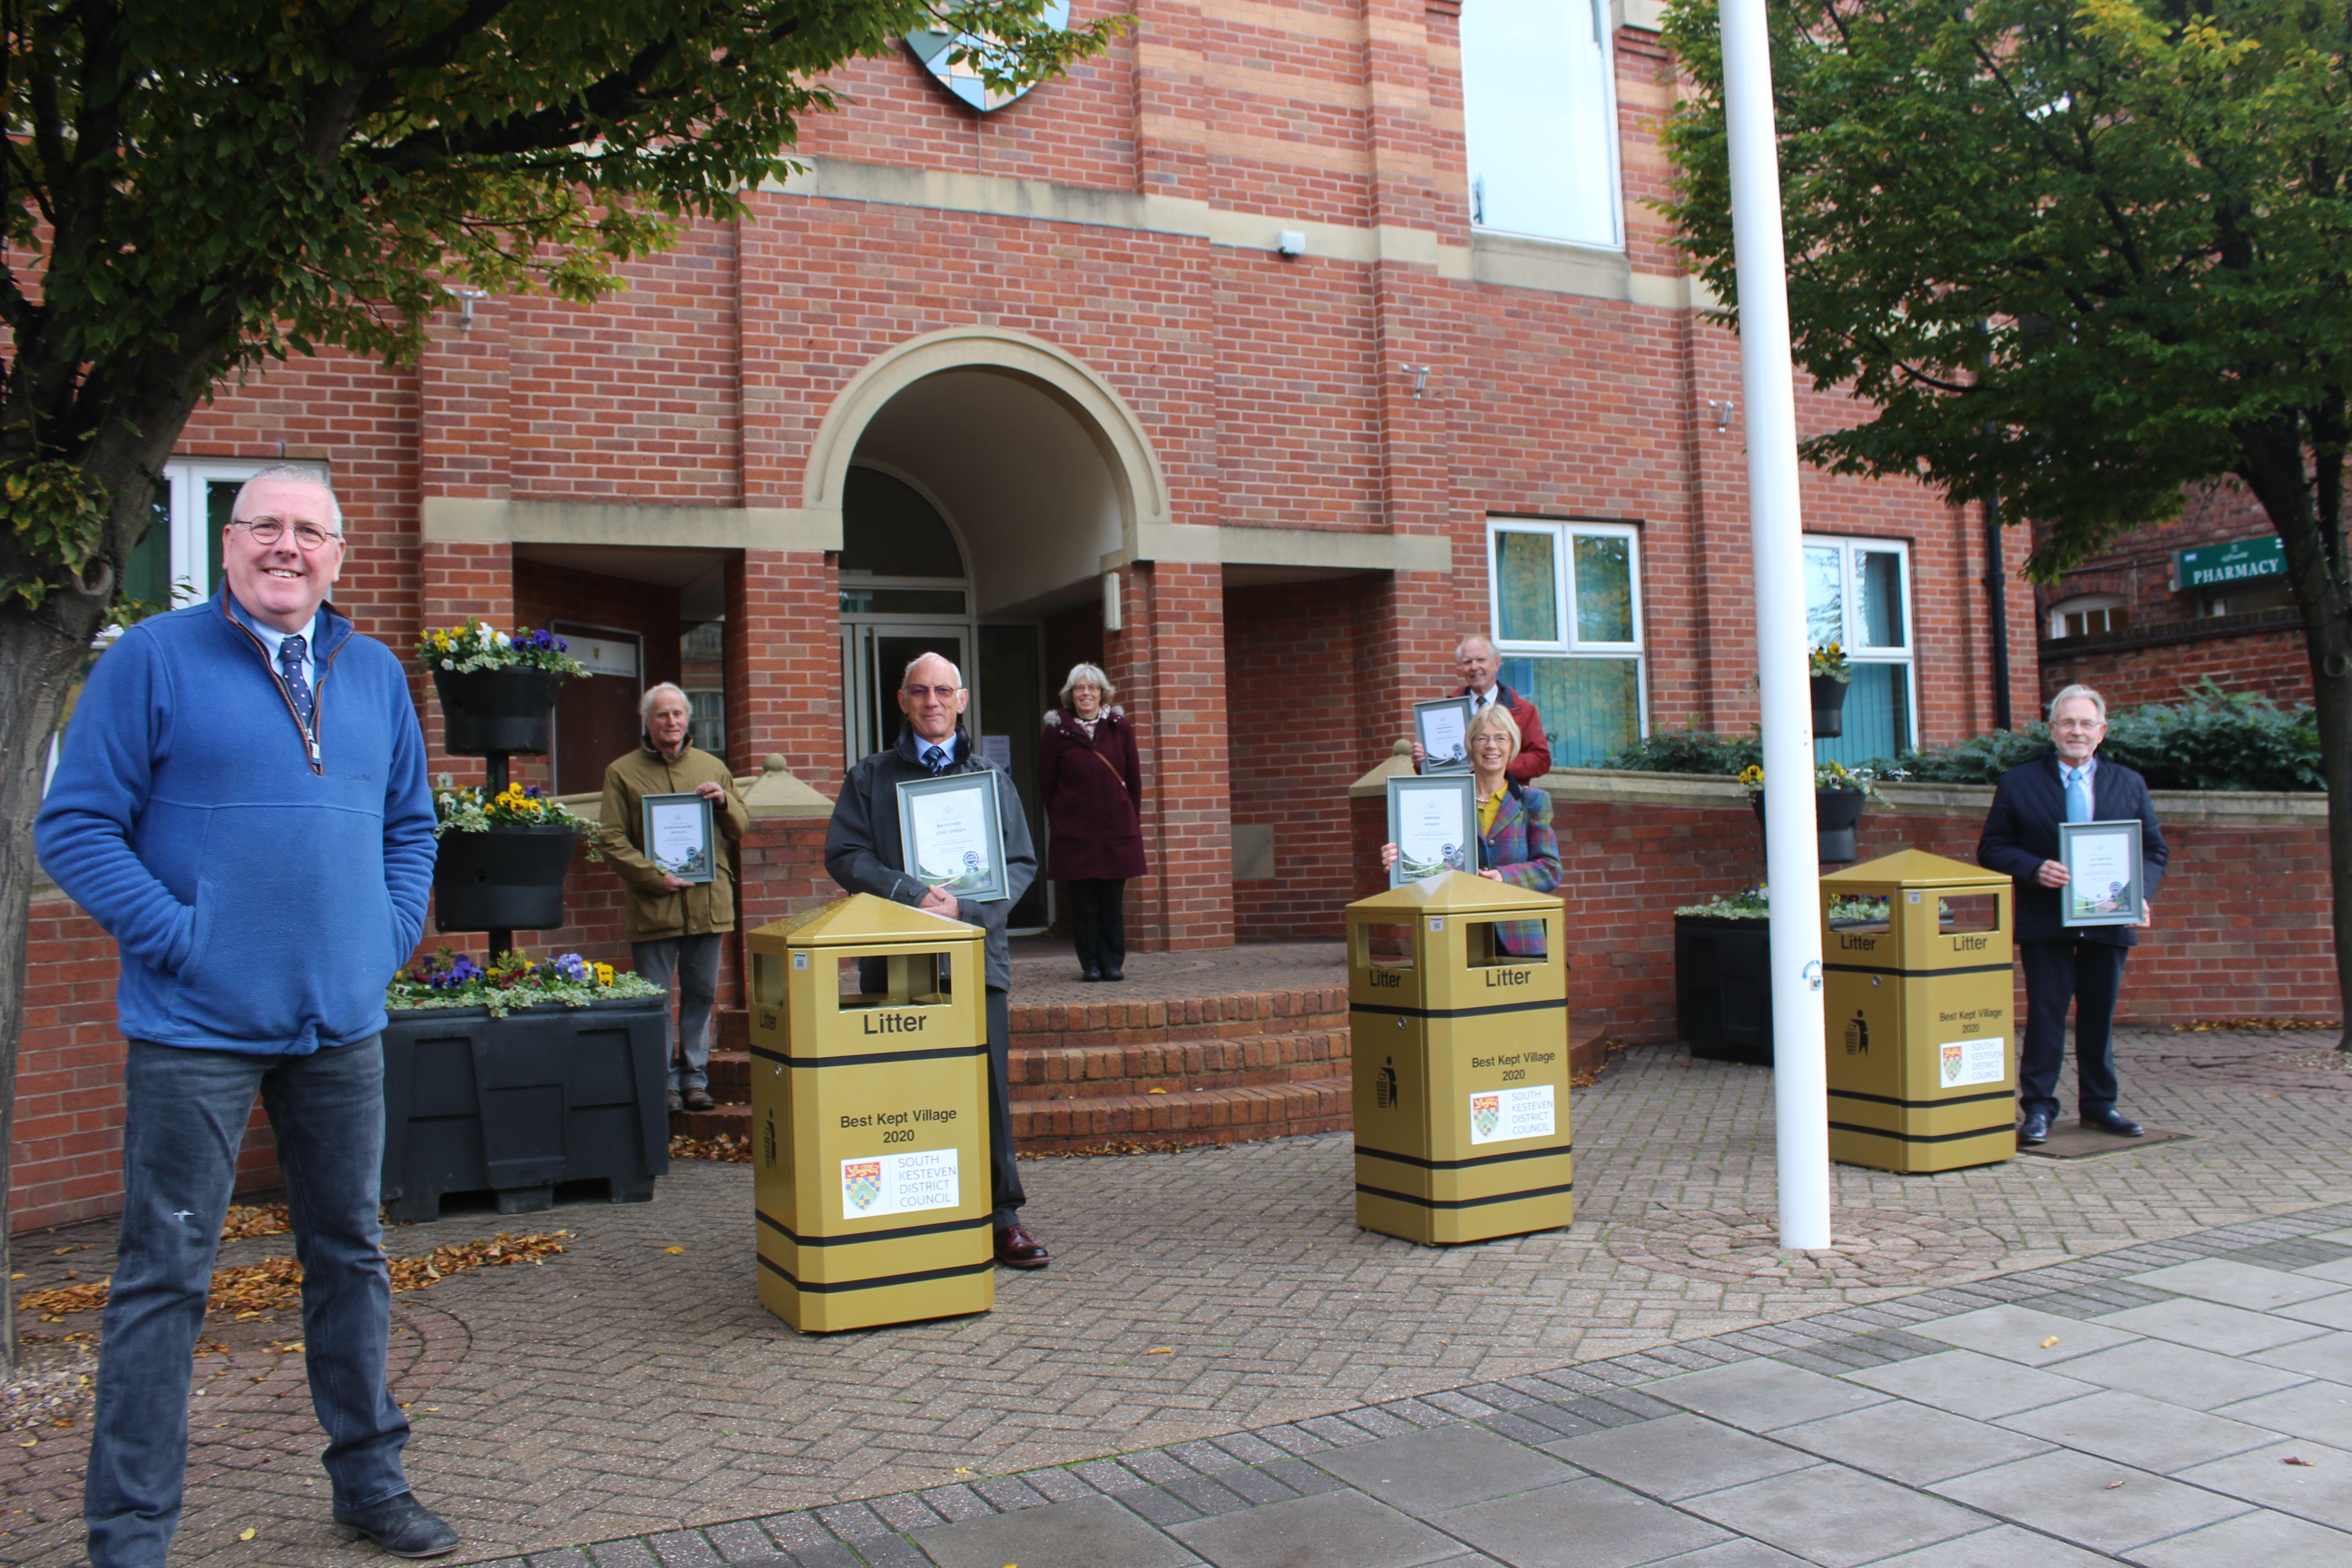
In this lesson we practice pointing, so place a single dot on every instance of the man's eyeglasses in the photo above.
(944, 693)
(270, 530)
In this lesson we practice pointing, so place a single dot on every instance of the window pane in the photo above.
(147, 576)
(1825, 598)
(1536, 113)
(1527, 588)
(220, 506)
(1590, 708)
(1878, 593)
(1604, 587)
(1877, 716)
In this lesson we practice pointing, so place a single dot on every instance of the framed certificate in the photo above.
(952, 836)
(1443, 728)
(679, 836)
(1434, 823)
(2103, 865)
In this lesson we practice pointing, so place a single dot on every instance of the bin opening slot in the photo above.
(1382, 946)
(1969, 911)
(767, 980)
(896, 980)
(1506, 944)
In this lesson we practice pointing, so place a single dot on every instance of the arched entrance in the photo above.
(986, 482)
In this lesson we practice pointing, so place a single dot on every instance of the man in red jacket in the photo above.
(1474, 655)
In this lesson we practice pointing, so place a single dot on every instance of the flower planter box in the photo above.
(1829, 707)
(1723, 987)
(1836, 812)
(519, 1105)
(487, 712)
(507, 878)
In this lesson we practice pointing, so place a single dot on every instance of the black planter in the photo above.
(519, 1105)
(1723, 987)
(1829, 707)
(497, 711)
(509, 878)
(1836, 812)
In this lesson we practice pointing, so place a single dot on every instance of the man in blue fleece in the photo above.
(241, 803)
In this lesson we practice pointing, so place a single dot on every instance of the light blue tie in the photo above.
(2078, 792)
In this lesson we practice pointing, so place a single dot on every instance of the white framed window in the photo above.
(1540, 117)
(1567, 619)
(1858, 595)
(179, 561)
(2088, 614)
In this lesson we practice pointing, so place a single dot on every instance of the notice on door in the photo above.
(1500, 1115)
(900, 1184)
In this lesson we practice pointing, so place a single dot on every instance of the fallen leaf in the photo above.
(2048, 1342)
(2112, 1485)
(248, 1533)
(961, 1471)
(1155, 1091)
(1161, 1349)
(2305, 1464)
(673, 1249)
(30, 1443)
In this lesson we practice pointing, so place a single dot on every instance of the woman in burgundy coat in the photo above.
(1092, 784)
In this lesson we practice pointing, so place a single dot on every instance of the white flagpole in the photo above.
(1768, 380)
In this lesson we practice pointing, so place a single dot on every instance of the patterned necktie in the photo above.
(2078, 793)
(290, 665)
(937, 757)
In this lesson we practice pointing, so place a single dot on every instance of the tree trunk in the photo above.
(39, 656)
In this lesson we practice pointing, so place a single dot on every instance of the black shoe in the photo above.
(677, 1101)
(2115, 1122)
(1114, 975)
(1089, 975)
(401, 1525)
(2035, 1128)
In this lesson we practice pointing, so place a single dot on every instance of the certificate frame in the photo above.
(1464, 790)
(2118, 903)
(981, 885)
(1424, 714)
(700, 863)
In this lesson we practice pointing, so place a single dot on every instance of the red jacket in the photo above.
(1534, 759)
(1093, 796)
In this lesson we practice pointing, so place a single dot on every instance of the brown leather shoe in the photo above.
(1016, 1248)
(700, 1099)
(676, 1103)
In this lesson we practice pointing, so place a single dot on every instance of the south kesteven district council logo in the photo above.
(1952, 1063)
(1486, 1112)
(932, 50)
(861, 1181)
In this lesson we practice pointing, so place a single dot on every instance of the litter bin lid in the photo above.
(1914, 868)
(862, 919)
(1455, 891)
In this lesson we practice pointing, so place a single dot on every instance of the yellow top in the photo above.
(1452, 892)
(1911, 869)
(862, 919)
(1487, 810)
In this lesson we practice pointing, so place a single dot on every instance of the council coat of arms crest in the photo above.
(1486, 1113)
(1953, 1061)
(936, 51)
(861, 1181)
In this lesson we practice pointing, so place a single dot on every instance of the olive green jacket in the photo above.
(653, 914)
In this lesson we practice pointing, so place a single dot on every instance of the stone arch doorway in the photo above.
(986, 483)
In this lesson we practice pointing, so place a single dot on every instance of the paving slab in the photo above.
(1092, 1530)
(1588, 1523)
(2317, 1410)
(2327, 1312)
(1759, 1396)
(1335, 1529)
(2023, 1334)
(1903, 1442)
(1835, 1515)
(2329, 1356)
(2298, 1476)
(2211, 1326)
(2271, 1540)
(1431, 1471)
(2133, 1429)
(2002, 1546)
(1966, 1383)
(2093, 1502)
(1679, 1456)
(2339, 1272)
(1734, 1554)
(2180, 1374)
(2234, 1284)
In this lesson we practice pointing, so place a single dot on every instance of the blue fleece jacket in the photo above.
(262, 891)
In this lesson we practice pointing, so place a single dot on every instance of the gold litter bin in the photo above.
(1922, 1060)
(870, 1117)
(1461, 1061)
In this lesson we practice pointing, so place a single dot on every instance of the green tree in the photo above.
(2077, 254)
(196, 187)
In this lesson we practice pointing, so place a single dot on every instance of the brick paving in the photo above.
(627, 1393)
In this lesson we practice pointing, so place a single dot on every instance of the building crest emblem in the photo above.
(935, 51)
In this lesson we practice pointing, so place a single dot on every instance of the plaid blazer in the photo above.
(1521, 846)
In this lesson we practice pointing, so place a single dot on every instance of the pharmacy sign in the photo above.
(2220, 565)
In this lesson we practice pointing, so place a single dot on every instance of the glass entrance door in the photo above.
(875, 656)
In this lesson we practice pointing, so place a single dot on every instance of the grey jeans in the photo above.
(692, 961)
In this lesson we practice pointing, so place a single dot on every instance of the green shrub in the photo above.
(1689, 752)
(1979, 759)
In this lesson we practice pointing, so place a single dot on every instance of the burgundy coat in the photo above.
(1093, 796)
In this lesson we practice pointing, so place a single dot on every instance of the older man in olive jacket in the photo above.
(674, 926)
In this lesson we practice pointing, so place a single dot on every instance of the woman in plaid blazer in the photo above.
(1516, 843)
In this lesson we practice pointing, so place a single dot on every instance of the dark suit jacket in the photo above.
(2022, 831)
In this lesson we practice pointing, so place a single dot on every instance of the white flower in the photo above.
(449, 664)
(503, 639)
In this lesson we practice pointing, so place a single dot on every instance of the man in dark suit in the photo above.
(2081, 965)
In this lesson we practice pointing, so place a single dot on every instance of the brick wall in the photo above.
(2159, 663)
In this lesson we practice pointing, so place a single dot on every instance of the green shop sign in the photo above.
(2212, 566)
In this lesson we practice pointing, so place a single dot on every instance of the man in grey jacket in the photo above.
(863, 853)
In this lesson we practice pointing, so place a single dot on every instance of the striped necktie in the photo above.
(937, 758)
